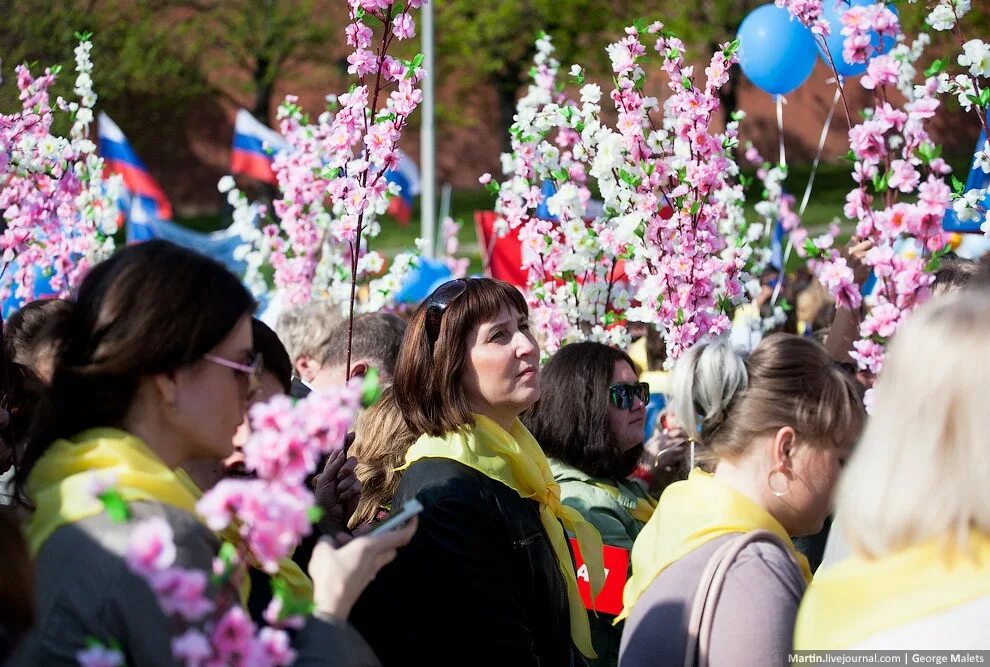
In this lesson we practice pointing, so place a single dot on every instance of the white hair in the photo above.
(304, 329)
(922, 468)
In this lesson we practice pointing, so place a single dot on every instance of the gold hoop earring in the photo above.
(775, 491)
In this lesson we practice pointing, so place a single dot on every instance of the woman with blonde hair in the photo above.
(381, 440)
(914, 503)
(716, 579)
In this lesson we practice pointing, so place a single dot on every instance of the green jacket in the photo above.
(612, 517)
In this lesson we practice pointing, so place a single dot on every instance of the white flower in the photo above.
(226, 184)
(967, 206)
(591, 93)
(942, 18)
(981, 158)
(976, 56)
(576, 71)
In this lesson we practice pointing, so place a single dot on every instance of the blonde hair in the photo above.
(726, 401)
(922, 466)
(305, 329)
(381, 440)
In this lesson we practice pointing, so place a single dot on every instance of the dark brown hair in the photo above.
(31, 331)
(151, 308)
(428, 378)
(570, 421)
(17, 609)
(273, 355)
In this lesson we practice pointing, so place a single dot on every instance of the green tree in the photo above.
(492, 41)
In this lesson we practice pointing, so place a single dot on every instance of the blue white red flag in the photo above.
(254, 149)
(142, 201)
(406, 176)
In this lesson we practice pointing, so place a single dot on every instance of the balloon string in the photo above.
(780, 128)
(818, 155)
(807, 189)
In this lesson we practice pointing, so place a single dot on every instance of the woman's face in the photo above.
(628, 424)
(802, 510)
(270, 387)
(502, 369)
(210, 399)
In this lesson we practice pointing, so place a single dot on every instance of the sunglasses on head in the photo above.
(622, 395)
(437, 303)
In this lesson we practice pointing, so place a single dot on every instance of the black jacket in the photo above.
(479, 583)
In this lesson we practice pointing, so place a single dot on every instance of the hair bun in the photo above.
(705, 380)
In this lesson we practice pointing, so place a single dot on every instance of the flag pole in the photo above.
(427, 143)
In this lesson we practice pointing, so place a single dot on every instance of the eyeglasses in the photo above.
(252, 369)
(622, 395)
(437, 303)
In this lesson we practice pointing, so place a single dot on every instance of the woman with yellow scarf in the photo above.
(488, 579)
(155, 368)
(775, 428)
(914, 501)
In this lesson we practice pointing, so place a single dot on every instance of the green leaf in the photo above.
(935, 68)
(493, 187)
(680, 317)
(935, 261)
(695, 207)
(731, 48)
(314, 514)
(291, 605)
(957, 185)
(785, 305)
(83, 36)
(811, 249)
(641, 25)
(370, 388)
(985, 97)
(115, 506)
(686, 82)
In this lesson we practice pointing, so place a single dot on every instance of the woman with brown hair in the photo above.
(381, 440)
(156, 366)
(716, 578)
(488, 579)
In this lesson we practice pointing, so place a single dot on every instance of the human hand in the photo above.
(337, 490)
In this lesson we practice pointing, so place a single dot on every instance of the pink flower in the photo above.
(881, 71)
(182, 592)
(192, 648)
(100, 656)
(232, 634)
(882, 320)
(151, 547)
(903, 176)
(274, 648)
(403, 26)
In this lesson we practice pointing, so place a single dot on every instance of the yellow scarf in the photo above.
(690, 514)
(60, 485)
(641, 512)
(861, 597)
(515, 459)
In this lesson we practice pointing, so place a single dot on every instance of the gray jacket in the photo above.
(86, 590)
(754, 617)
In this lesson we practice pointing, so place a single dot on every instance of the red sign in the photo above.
(616, 561)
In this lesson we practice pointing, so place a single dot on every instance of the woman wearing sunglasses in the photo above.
(589, 421)
(488, 579)
(155, 368)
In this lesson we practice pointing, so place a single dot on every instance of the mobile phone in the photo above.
(409, 509)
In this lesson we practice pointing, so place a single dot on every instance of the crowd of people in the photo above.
(719, 479)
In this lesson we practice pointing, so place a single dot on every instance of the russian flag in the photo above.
(254, 149)
(141, 189)
(406, 176)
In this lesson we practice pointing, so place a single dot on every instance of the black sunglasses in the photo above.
(437, 303)
(622, 395)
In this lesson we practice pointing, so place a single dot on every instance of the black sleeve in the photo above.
(450, 597)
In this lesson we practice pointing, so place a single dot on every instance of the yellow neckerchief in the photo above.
(61, 483)
(643, 509)
(860, 597)
(690, 514)
(515, 459)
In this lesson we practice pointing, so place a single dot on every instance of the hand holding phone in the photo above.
(410, 509)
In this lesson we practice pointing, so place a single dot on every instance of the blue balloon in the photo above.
(776, 52)
(833, 14)
(421, 281)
